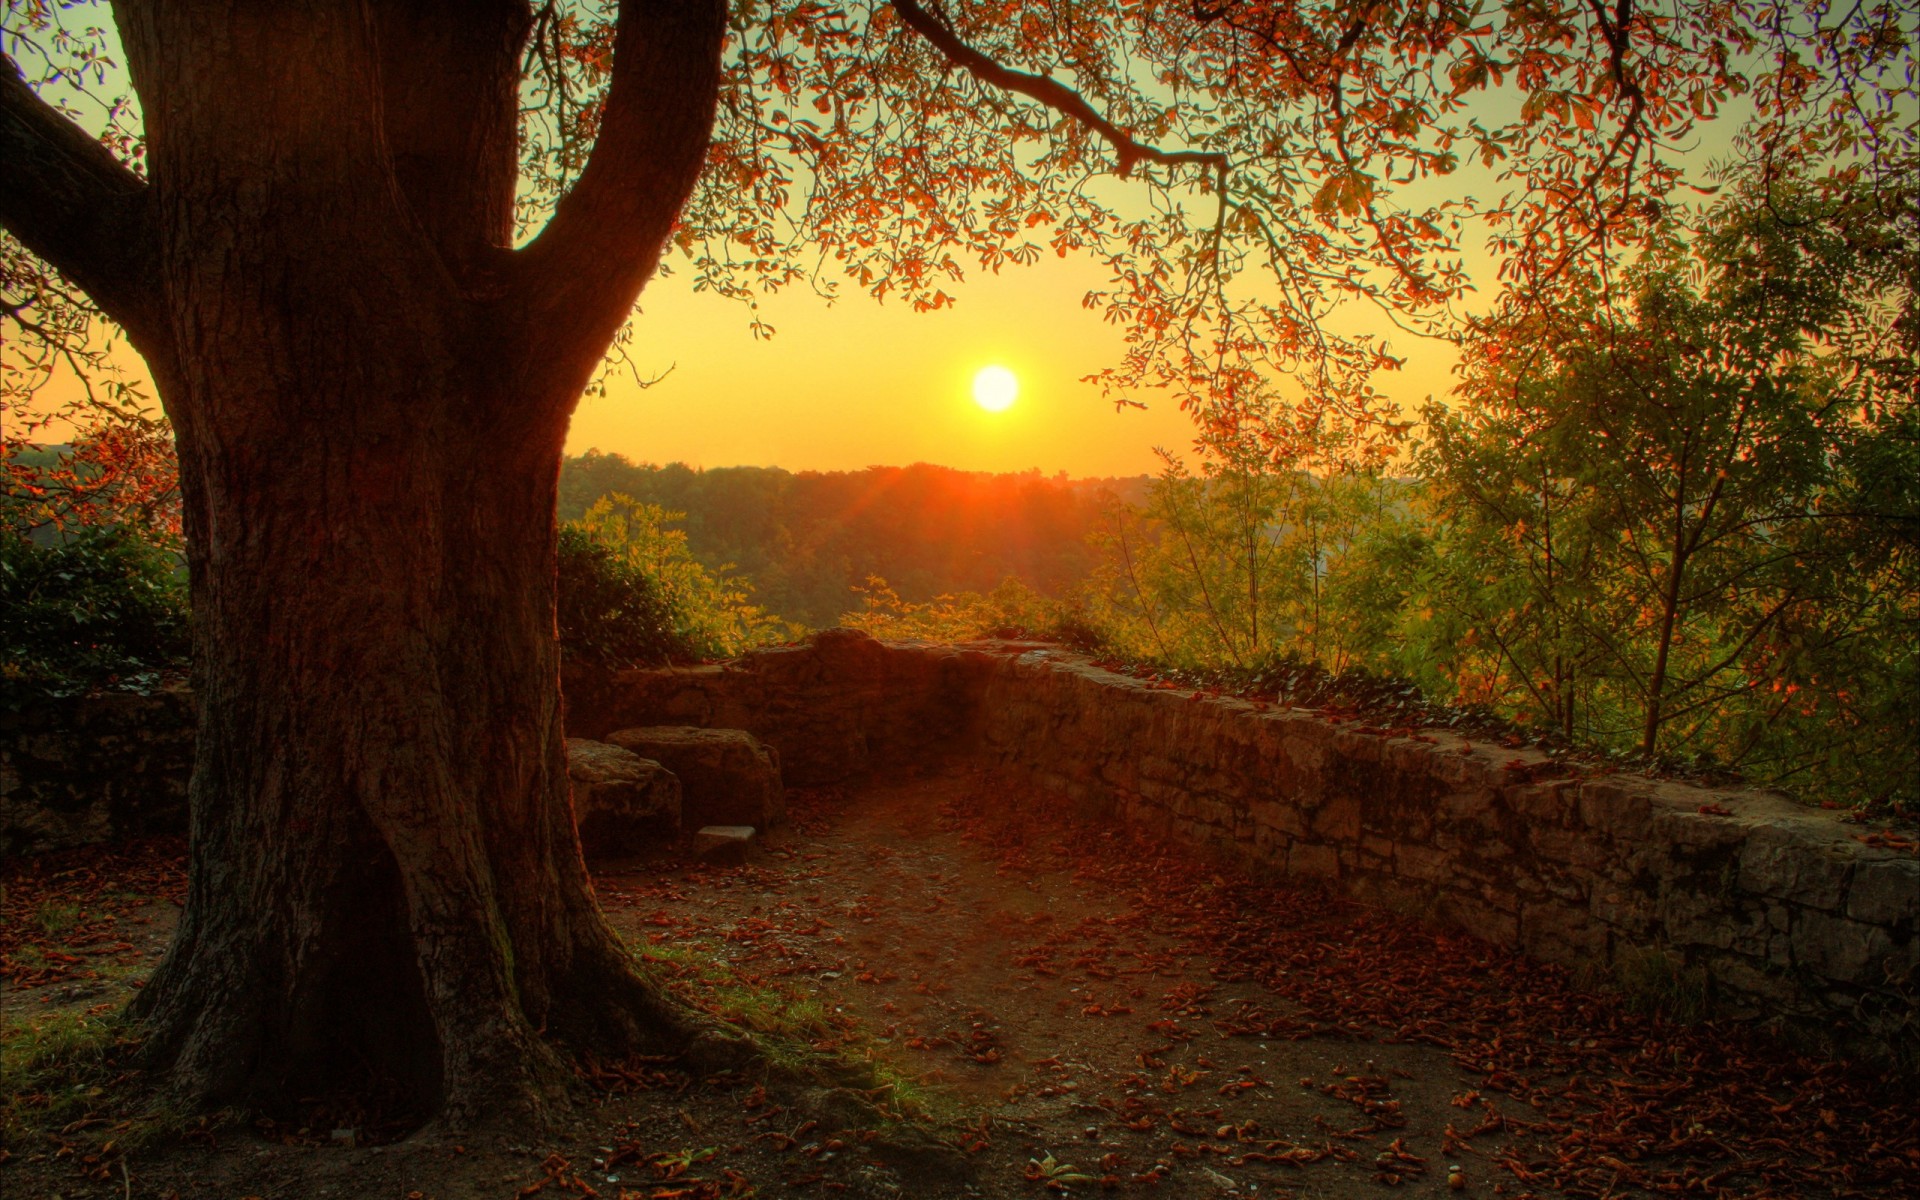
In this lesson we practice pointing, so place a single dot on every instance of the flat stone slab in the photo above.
(622, 803)
(727, 776)
(724, 843)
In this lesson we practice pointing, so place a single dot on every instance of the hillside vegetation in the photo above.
(807, 539)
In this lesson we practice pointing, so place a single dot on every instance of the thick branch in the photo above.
(68, 200)
(577, 281)
(449, 77)
(1055, 95)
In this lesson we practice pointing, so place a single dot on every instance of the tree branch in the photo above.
(68, 200)
(577, 281)
(1055, 95)
(449, 78)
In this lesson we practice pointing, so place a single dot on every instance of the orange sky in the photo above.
(858, 383)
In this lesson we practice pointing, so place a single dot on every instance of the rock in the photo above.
(724, 843)
(1886, 892)
(727, 777)
(621, 801)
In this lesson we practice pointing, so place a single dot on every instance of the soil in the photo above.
(1060, 1007)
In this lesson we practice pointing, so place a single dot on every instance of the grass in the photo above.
(68, 1086)
(55, 919)
(56, 1069)
(796, 1035)
(1656, 981)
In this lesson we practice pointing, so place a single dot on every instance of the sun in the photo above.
(995, 389)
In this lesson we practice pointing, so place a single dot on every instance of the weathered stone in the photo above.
(1423, 863)
(1848, 951)
(1473, 915)
(81, 769)
(1778, 860)
(1622, 807)
(1550, 802)
(622, 803)
(723, 843)
(1307, 860)
(1561, 933)
(727, 776)
(1886, 892)
(1337, 819)
(1467, 806)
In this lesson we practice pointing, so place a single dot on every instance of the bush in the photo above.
(632, 593)
(99, 608)
(1012, 610)
(609, 609)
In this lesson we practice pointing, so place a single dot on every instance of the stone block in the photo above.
(1622, 807)
(1696, 916)
(1280, 815)
(1475, 917)
(1338, 819)
(1549, 803)
(1561, 933)
(1886, 892)
(1848, 951)
(622, 803)
(1751, 991)
(1626, 909)
(1466, 806)
(727, 776)
(1413, 860)
(1307, 860)
(723, 843)
(1781, 861)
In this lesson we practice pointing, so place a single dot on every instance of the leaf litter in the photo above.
(1075, 1008)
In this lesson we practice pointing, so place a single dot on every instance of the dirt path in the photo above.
(1079, 1011)
(1055, 1015)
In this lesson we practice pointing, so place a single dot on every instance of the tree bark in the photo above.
(370, 390)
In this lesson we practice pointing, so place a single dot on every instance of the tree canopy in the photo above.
(1241, 169)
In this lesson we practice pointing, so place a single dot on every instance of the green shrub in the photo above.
(1012, 610)
(99, 608)
(610, 610)
(632, 593)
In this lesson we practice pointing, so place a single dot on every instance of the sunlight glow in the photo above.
(995, 389)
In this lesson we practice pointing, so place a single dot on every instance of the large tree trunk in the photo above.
(384, 864)
(370, 392)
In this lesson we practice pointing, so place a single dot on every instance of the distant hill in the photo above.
(805, 539)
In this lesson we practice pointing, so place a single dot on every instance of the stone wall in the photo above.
(1758, 907)
(91, 768)
(1766, 909)
(832, 708)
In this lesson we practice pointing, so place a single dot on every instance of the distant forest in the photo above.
(806, 539)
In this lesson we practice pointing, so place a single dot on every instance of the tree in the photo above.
(1651, 493)
(370, 285)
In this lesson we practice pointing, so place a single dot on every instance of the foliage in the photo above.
(119, 470)
(1652, 527)
(1241, 565)
(609, 611)
(101, 607)
(1013, 609)
(808, 538)
(1675, 515)
(630, 591)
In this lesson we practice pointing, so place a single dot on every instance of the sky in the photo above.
(859, 383)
